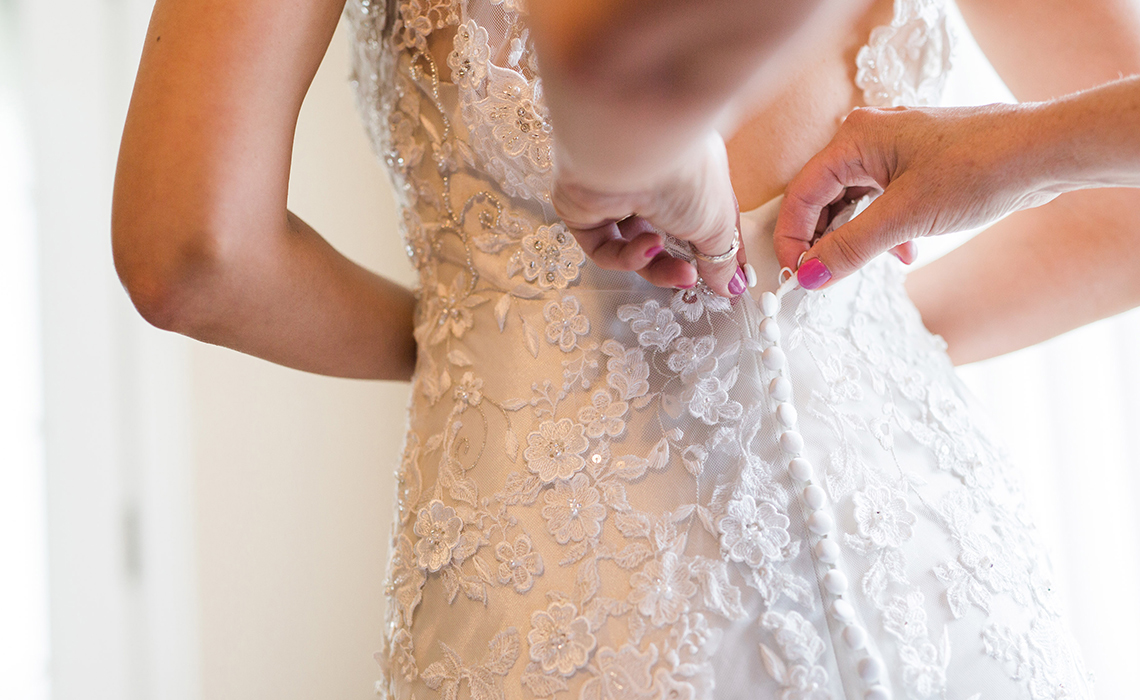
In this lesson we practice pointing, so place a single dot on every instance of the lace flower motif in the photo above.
(882, 516)
(708, 400)
(520, 120)
(554, 451)
(691, 304)
(469, 56)
(628, 372)
(797, 638)
(604, 416)
(405, 579)
(550, 257)
(653, 325)
(468, 392)
(905, 617)
(438, 527)
(671, 688)
(573, 510)
(518, 564)
(564, 322)
(924, 669)
(906, 62)
(560, 638)
(988, 561)
(417, 20)
(661, 590)
(453, 305)
(806, 683)
(623, 674)
(693, 356)
(402, 656)
(753, 532)
(511, 5)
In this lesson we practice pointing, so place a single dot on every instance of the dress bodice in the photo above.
(625, 492)
(468, 140)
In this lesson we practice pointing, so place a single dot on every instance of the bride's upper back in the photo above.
(452, 97)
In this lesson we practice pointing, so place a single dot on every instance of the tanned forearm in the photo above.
(1044, 271)
(1034, 275)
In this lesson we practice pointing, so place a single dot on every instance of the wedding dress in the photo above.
(614, 491)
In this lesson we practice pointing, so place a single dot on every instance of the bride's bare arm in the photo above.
(1043, 271)
(202, 238)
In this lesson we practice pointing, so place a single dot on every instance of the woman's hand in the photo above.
(635, 90)
(939, 171)
(694, 203)
(950, 169)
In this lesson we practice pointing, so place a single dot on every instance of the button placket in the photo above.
(819, 518)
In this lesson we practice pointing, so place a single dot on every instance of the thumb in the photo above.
(833, 173)
(851, 246)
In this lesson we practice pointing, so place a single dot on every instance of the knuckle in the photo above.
(850, 253)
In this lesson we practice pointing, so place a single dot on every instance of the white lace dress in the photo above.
(614, 491)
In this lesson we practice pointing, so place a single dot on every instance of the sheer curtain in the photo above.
(1069, 411)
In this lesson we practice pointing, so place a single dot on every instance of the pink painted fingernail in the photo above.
(652, 252)
(737, 284)
(813, 274)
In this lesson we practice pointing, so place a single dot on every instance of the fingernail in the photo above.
(750, 275)
(736, 285)
(813, 274)
(652, 252)
(901, 259)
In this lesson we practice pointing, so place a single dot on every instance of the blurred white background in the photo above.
(180, 522)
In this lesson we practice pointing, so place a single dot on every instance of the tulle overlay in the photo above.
(594, 499)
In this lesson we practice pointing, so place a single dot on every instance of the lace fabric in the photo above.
(595, 498)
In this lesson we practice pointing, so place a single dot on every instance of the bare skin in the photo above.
(205, 246)
(1035, 274)
(202, 238)
(1043, 271)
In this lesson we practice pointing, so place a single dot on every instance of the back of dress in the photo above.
(611, 490)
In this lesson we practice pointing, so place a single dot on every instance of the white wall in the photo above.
(216, 525)
(294, 472)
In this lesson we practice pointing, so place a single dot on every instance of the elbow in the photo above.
(164, 272)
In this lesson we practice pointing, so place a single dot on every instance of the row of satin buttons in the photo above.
(819, 521)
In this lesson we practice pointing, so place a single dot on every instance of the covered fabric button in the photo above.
(877, 692)
(855, 636)
(870, 669)
(780, 389)
(843, 611)
(800, 468)
(769, 304)
(792, 442)
(835, 581)
(820, 522)
(814, 497)
(786, 413)
(770, 330)
(827, 551)
(773, 358)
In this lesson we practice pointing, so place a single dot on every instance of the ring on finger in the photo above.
(723, 257)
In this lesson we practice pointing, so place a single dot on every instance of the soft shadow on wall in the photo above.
(294, 471)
